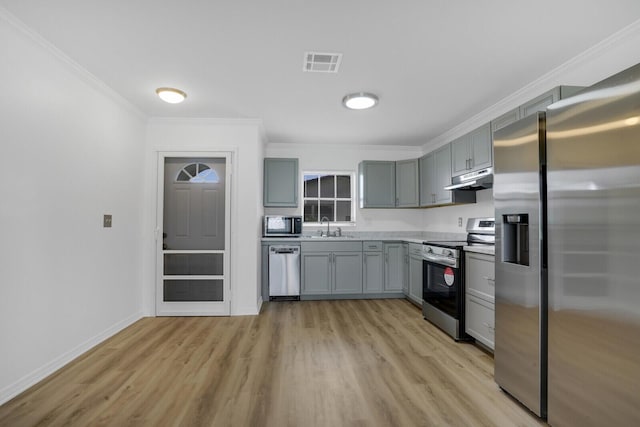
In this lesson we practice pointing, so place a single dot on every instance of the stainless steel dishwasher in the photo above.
(284, 272)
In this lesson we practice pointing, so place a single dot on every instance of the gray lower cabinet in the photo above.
(347, 273)
(377, 184)
(407, 184)
(316, 273)
(393, 267)
(280, 186)
(480, 298)
(372, 267)
(405, 274)
(331, 268)
(415, 273)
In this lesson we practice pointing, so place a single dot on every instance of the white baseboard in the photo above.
(41, 373)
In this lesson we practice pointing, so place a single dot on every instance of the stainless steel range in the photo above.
(443, 277)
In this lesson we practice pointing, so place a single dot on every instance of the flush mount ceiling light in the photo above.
(360, 101)
(171, 95)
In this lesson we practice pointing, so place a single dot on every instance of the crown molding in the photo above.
(202, 121)
(290, 145)
(542, 84)
(78, 69)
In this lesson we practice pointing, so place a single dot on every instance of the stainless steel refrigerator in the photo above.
(568, 271)
(520, 279)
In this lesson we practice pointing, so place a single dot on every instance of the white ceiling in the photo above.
(433, 63)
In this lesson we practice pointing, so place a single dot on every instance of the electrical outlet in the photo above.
(106, 221)
(459, 221)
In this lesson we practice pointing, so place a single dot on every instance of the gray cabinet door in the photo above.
(378, 179)
(442, 161)
(372, 272)
(347, 272)
(460, 155)
(316, 273)
(393, 267)
(505, 119)
(407, 183)
(427, 179)
(415, 279)
(539, 103)
(280, 182)
(481, 147)
(472, 151)
(405, 274)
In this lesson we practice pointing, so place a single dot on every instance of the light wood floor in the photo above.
(321, 363)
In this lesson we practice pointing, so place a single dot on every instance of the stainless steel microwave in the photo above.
(282, 226)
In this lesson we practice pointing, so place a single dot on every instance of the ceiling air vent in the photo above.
(317, 62)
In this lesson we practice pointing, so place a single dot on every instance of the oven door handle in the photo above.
(440, 260)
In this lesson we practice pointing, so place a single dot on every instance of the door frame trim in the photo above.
(199, 308)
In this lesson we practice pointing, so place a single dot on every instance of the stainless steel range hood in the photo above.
(473, 181)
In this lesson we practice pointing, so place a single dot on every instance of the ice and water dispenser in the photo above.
(515, 239)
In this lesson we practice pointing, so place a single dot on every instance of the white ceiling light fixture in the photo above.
(171, 95)
(360, 101)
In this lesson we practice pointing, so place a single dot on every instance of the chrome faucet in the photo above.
(323, 219)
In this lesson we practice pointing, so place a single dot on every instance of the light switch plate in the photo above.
(459, 221)
(106, 222)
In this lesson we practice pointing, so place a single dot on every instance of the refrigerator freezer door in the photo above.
(593, 143)
(520, 337)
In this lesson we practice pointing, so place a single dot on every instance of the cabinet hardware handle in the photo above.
(489, 279)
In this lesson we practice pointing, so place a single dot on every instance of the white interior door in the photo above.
(193, 235)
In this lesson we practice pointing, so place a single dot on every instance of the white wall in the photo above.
(71, 152)
(235, 135)
(346, 158)
(614, 54)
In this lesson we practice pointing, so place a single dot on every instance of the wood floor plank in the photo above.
(309, 363)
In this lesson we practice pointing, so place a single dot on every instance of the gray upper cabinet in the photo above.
(442, 158)
(460, 155)
(280, 182)
(435, 174)
(428, 179)
(378, 179)
(472, 151)
(505, 119)
(481, 147)
(407, 183)
(540, 103)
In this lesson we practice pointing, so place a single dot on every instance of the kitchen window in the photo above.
(328, 194)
